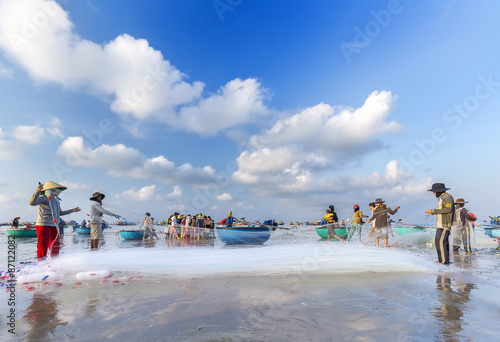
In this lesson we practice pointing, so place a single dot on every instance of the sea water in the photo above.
(287, 252)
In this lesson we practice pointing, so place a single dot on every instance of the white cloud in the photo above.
(125, 162)
(327, 129)
(224, 197)
(300, 151)
(176, 192)
(20, 138)
(30, 135)
(39, 35)
(144, 194)
(234, 104)
(74, 186)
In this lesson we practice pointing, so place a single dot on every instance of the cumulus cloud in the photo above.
(300, 151)
(39, 35)
(176, 192)
(20, 138)
(329, 129)
(224, 197)
(144, 194)
(125, 162)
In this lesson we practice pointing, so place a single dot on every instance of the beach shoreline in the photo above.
(369, 306)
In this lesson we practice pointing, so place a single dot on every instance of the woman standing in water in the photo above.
(49, 214)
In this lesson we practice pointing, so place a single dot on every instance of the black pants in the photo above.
(442, 245)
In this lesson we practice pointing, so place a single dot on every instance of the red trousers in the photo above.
(48, 237)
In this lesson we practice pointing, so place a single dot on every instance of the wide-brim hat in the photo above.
(97, 194)
(438, 187)
(379, 200)
(17, 217)
(461, 201)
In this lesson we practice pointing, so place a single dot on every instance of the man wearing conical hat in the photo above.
(49, 213)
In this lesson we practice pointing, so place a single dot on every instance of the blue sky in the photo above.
(272, 109)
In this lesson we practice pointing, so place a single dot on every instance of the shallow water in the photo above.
(294, 287)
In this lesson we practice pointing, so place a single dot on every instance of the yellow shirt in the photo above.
(328, 218)
(356, 218)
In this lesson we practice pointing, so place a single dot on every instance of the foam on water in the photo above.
(242, 260)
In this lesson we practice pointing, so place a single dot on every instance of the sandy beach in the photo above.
(358, 297)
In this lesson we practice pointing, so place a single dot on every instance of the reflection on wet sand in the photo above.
(42, 317)
(453, 298)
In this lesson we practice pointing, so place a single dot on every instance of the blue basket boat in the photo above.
(133, 234)
(83, 231)
(244, 234)
(492, 232)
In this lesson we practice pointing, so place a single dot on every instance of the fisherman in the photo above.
(146, 223)
(96, 212)
(331, 223)
(49, 213)
(15, 222)
(61, 227)
(444, 213)
(371, 233)
(463, 227)
(357, 222)
(381, 216)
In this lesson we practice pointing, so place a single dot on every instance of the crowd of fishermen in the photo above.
(449, 213)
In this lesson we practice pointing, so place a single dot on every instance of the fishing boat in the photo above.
(323, 232)
(133, 234)
(407, 228)
(22, 231)
(244, 234)
(83, 231)
(492, 231)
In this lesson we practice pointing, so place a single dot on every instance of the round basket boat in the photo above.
(133, 234)
(323, 232)
(244, 234)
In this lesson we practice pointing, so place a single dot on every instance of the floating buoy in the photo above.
(30, 278)
(92, 275)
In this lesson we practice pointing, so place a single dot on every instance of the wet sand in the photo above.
(459, 303)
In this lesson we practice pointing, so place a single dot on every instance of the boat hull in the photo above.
(323, 232)
(132, 234)
(243, 235)
(407, 230)
(492, 232)
(21, 232)
(83, 231)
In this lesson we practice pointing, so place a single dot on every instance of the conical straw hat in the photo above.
(51, 185)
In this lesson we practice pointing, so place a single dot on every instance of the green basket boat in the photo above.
(408, 229)
(323, 232)
(21, 232)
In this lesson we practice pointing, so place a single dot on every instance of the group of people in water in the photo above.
(178, 226)
(449, 213)
(379, 219)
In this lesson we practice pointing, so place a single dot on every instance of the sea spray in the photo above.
(323, 258)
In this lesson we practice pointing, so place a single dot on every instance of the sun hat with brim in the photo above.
(52, 185)
(461, 201)
(438, 187)
(97, 194)
(379, 200)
